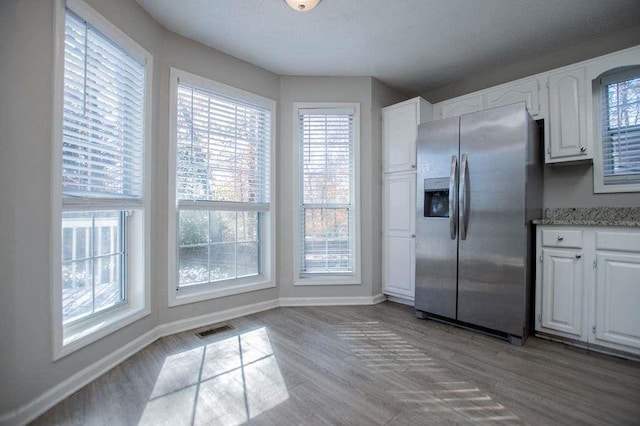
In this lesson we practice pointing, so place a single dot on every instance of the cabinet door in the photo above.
(527, 92)
(462, 106)
(617, 313)
(567, 116)
(562, 291)
(399, 204)
(400, 132)
(400, 266)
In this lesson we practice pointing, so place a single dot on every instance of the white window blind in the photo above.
(222, 185)
(327, 191)
(103, 117)
(222, 149)
(621, 128)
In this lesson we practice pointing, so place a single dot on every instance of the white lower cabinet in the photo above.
(617, 308)
(400, 267)
(590, 293)
(562, 291)
(399, 227)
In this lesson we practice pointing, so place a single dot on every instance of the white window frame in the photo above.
(338, 278)
(598, 71)
(267, 277)
(137, 305)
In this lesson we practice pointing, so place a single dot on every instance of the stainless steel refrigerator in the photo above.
(479, 186)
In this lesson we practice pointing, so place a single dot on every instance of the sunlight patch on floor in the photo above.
(225, 382)
(384, 352)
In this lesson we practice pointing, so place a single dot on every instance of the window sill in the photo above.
(601, 188)
(327, 280)
(199, 293)
(98, 327)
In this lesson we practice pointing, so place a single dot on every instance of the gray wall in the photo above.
(572, 186)
(567, 56)
(381, 96)
(323, 89)
(187, 55)
(26, 49)
(27, 56)
(565, 185)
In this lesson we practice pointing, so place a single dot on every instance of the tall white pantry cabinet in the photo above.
(399, 132)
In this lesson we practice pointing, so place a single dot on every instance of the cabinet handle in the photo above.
(583, 149)
(413, 166)
(413, 235)
(578, 256)
(560, 238)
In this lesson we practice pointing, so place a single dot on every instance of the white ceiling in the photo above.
(412, 45)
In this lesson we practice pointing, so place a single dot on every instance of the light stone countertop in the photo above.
(595, 216)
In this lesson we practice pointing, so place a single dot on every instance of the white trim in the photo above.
(113, 33)
(34, 408)
(37, 406)
(330, 301)
(139, 288)
(378, 298)
(215, 317)
(267, 279)
(599, 186)
(199, 293)
(402, 300)
(322, 279)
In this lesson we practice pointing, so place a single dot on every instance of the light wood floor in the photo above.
(355, 365)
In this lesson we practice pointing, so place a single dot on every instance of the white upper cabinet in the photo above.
(462, 106)
(399, 132)
(526, 91)
(567, 124)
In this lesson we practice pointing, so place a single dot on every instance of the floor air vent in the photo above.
(209, 331)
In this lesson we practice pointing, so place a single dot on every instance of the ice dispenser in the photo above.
(436, 197)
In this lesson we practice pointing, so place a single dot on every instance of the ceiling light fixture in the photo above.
(302, 5)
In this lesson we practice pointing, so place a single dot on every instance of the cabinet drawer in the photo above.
(562, 238)
(620, 240)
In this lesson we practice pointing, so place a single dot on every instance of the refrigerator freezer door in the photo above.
(436, 239)
(491, 269)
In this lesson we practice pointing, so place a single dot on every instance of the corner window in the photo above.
(100, 284)
(222, 211)
(328, 217)
(620, 130)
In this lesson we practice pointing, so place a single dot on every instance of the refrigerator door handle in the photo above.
(464, 197)
(453, 198)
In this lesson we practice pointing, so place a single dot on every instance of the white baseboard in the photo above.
(31, 410)
(329, 301)
(378, 298)
(202, 320)
(402, 300)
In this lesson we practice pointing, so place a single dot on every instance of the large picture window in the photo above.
(223, 143)
(103, 103)
(327, 192)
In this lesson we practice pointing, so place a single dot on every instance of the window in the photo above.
(620, 126)
(100, 285)
(327, 194)
(223, 142)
